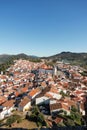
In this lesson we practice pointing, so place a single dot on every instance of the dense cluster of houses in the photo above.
(26, 83)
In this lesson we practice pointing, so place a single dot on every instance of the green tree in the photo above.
(73, 108)
(10, 121)
(37, 116)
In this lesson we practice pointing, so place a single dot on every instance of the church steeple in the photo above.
(55, 71)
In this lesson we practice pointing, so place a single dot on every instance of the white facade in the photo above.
(6, 111)
(42, 100)
(58, 110)
(56, 96)
(27, 106)
(82, 111)
(55, 71)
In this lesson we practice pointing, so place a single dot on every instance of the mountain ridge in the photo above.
(72, 57)
(5, 57)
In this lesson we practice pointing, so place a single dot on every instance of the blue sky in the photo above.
(43, 27)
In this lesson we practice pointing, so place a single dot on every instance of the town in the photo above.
(57, 91)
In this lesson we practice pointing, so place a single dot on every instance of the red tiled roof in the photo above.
(17, 93)
(54, 90)
(58, 120)
(2, 99)
(8, 103)
(79, 92)
(48, 95)
(24, 102)
(34, 91)
(24, 89)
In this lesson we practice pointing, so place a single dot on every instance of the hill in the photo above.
(7, 60)
(5, 57)
(73, 58)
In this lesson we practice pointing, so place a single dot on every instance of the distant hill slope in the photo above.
(5, 57)
(73, 58)
(69, 56)
(7, 60)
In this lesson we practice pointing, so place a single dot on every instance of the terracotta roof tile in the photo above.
(24, 101)
(8, 103)
(34, 91)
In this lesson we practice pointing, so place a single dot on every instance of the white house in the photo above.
(24, 105)
(59, 107)
(41, 100)
(7, 108)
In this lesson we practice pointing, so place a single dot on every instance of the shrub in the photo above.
(12, 119)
